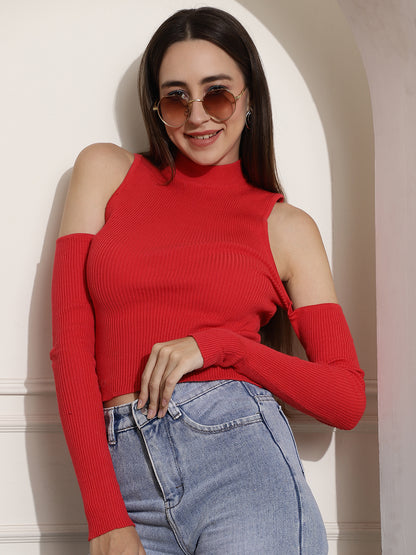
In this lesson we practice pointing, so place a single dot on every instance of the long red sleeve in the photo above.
(79, 398)
(330, 386)
(191, 257)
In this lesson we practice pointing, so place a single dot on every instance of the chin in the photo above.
(210, 158)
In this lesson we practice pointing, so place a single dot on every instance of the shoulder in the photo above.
(104, 160)
(300, 255)
(293, 233)
(98, 171)
(286, 219)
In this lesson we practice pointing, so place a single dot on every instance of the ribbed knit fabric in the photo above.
(330, 386)
(191, 258)
(174, 259)
(78, 392)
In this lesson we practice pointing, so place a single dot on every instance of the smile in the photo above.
(203, 137)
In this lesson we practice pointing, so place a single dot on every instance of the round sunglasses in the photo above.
(174, 110)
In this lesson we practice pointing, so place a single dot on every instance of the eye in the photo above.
(178, 94)
(215, 88)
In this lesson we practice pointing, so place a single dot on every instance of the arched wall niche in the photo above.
(385, 33)
(69, 81)
(319, 40)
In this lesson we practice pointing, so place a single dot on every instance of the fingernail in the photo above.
(139, 403)
(151, 414)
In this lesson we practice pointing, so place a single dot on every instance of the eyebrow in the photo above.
(204, 81)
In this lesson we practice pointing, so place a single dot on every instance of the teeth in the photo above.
(203, 137)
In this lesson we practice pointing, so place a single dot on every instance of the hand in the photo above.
(122, 541)
(166, 365)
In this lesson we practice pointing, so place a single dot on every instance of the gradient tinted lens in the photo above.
(218, 104)
(173, 110)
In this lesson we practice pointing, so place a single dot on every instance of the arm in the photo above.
(97, 172)
(330, 386)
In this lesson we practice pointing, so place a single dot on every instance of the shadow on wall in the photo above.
(47, 455)
(48, 459)
(127, 112)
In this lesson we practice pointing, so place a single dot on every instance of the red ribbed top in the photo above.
(173, 259)
(188, 258)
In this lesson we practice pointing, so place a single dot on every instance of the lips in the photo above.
(203, 136)
(203, 139)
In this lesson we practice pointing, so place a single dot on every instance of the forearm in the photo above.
(329, 387)
(78, 393)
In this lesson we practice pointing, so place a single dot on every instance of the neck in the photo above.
(214, 175)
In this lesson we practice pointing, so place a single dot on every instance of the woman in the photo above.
(166, 267)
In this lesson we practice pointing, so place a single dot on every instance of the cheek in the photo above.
(171, 133)
(239, 118)
(243, 109)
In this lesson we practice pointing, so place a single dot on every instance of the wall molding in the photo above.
(18, 423)
(49, 422)
(32, 533)
(46, 386)
(371, 388)
(353, 531)
(302, 423)
(27, 386)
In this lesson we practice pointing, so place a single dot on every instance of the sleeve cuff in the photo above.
(219, 347)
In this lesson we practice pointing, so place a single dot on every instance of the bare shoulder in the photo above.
(98, 171)
(103, 159)
(284, 216)
(291, 232)
(300, 255)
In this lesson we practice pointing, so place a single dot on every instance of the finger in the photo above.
(164, 352)
(179, 366)
(167, 387)
(169, 357)
(180, 363)
(144, 383)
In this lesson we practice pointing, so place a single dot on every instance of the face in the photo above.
(193, 68)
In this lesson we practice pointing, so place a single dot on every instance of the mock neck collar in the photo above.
(190, 172)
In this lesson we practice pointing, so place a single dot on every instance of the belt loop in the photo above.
(256, 390)
(173, 410)
(109, 418)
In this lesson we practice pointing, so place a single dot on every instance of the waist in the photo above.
(121, 400)
(132, 381)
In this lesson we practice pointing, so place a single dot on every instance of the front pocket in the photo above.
(224, 427)
(220, 408)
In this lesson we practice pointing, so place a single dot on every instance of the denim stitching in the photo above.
(294, 479)
(215, 385)
(220, 428)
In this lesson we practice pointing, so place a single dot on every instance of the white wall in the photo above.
(68, 80)
(385, 33)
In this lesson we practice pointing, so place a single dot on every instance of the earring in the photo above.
(248, 118)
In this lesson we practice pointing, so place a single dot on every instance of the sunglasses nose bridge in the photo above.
(189, 107)
(195, 100)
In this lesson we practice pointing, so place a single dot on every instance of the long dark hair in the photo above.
(256, 146)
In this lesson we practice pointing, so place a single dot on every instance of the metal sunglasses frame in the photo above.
(191, 101)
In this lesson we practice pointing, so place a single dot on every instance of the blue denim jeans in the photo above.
(219, 474)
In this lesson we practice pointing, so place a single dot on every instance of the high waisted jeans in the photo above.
(219, 474)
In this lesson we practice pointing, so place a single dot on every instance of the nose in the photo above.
(198, 115)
